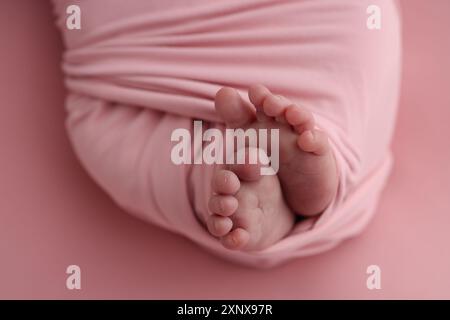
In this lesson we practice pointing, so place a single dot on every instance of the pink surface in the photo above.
(53, 215)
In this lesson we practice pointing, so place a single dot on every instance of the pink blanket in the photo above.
(139, 69)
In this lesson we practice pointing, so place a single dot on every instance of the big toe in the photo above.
(225, 182)
(233, 110)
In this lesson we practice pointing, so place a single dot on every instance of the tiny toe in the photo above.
(275, 106)
(234, 111)
(225, 182)
(223, 205)
(219, 226)
(314, 141)
(257, 94)
(300, 118)
(236, 239)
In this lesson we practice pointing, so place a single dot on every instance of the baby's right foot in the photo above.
(307, 170)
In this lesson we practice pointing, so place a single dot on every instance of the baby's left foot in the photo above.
(248, 215)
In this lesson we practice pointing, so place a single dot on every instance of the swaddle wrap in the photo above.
(137, 70)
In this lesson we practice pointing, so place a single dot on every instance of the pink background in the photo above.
(53, 215)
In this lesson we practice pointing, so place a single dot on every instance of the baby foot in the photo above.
(307, 172)
(247, 215)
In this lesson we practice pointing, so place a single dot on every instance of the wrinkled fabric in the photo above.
(137, 70)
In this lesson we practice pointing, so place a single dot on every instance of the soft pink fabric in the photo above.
(141, 69)
(53, 215)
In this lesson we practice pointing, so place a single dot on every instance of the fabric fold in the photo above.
(141, 69)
